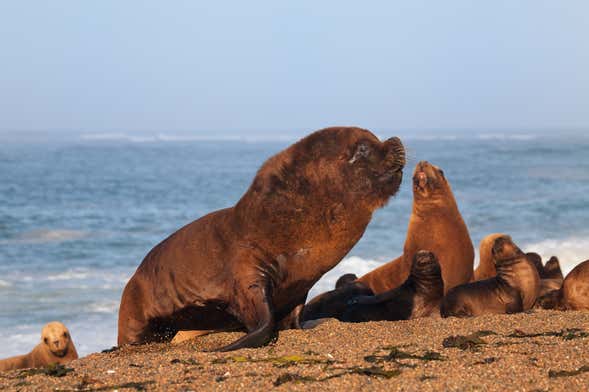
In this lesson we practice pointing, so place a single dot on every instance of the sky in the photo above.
(273, 66)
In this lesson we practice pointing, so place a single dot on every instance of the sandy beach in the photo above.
(537, 351)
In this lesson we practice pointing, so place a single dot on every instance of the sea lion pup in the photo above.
(345, 279)
(253, 264)
(486, 267)
(56, 347)
(332, 304)
(418, 296)
(550, 274)
(436, 225)
(514, 289)
(574, 293)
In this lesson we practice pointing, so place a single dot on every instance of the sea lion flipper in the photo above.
(257, 315)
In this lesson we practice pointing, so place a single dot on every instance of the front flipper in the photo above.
(254, 309)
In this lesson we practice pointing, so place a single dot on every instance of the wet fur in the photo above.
(253, 264)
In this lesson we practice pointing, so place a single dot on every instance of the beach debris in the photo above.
(395, 355)
(566, 334)
(486, 361)
(283, 361)
(467, 342)
(374, 371)
(189, 362)
(53, 370)
(568, 373)
(110, 371)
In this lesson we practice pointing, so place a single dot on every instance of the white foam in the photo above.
(108, 307)
(4, 283)
(570, 251)
(40, 236)
(505, 136)
(353, 264)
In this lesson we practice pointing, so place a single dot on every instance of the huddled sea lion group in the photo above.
(250, 267)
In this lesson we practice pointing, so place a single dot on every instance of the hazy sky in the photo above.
(275, 65)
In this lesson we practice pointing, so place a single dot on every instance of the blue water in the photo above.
(77, 217)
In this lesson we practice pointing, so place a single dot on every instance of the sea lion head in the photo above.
(536, 259)
(505, 251)
(346, 165)
(425, 263)
(428, 181)
(552, 269)
(56, 337)
(345, 280)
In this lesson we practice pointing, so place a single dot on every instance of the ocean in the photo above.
(78, 215)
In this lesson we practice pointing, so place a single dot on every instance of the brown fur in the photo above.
(574, 293)
(253, 264)
(550, 274)
(56, 347)
(486, 267)
(514, 288)
(419, 296)
(435, 224)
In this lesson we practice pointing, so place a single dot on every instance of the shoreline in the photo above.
(540, 350)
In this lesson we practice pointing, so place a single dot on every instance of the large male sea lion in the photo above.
(253, 264)
(56, 347)
(514, 288)
(574, 293)
(418, 296)
(436, 225)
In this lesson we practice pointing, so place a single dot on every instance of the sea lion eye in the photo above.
(362, 151)
(46, 340)
(442, 173)
(65, 334)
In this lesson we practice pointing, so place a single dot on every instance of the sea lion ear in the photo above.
(362, 151)
(442, 173)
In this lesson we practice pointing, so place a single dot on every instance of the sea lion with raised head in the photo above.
(486, 267)
(253, 264)
(56, 347)
(436, 225)
(573, 294)
(418, 296)
(513, 289)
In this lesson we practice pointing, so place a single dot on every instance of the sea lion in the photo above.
(418, 296)
(514, 289)
(574, 293)
(56, 347)
(332, 304)
(486, 267)
(252, 265)
(436, 225)
(550, 274)
(345, 279)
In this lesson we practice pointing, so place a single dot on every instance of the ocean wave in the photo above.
(41, 236)
(4, 283)
(163, 137)
(507, 136)
(570, 251)
(108, 307)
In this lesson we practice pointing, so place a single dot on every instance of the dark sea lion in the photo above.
(345, 279)
(418, 296)
(253, 264)
(332, 304)
(514, 289)
(436, 225)
(56, 347)
(574, 293)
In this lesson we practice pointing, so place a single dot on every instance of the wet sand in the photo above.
(539, 351)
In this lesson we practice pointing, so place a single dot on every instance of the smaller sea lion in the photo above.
(486, 267)
(418, 296)
(56, 347)
(345, 279)
(574, 293)
(515, 287)
(552, 269)
(332, 304)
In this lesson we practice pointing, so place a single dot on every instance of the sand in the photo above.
(538, 351)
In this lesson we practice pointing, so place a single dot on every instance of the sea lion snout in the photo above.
(397, 150)
(424, 257)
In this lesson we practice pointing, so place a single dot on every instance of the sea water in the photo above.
(78, 216)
